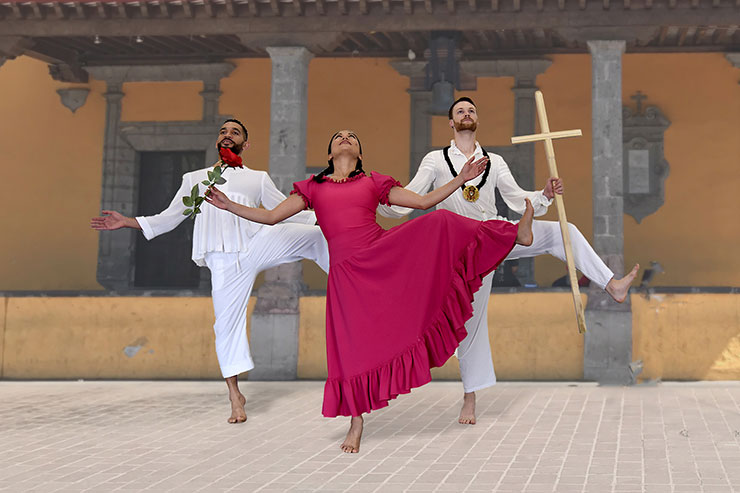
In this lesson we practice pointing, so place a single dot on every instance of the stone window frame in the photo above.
(124, 140)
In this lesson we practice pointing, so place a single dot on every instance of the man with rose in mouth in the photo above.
(234, 250)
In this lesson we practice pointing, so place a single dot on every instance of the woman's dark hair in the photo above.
(330, 169)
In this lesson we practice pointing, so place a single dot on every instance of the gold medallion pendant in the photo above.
(470, 193)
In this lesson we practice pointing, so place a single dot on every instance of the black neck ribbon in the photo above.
(446, 152)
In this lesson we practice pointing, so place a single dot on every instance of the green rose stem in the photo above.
(194, 200)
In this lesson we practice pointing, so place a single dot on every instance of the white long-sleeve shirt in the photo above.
(218, 230)
(434, 172)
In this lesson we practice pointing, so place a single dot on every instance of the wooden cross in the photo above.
(547, 137)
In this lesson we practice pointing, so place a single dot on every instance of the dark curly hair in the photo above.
(330, 169)
(244, 129)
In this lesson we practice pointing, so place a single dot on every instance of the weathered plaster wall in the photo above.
(700, 95)
(533, 337)
(687, 336)
(51, 160)
(51, 171)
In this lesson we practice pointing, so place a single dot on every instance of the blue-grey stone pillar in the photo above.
(523, 170)
(115, 262)
(275, 321)
(608, 343)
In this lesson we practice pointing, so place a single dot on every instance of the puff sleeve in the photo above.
(384, 184)
(303, 188)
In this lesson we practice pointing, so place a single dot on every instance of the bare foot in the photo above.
(238, 415)
(467, 413)
(351, 444)
(524, 233)
(618, 288)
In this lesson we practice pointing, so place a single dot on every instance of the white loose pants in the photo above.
(232, 279)
(474, 353)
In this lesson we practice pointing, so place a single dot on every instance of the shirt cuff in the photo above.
(145, 228)
(545, 200)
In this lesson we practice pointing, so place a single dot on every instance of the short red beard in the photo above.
(466, 125)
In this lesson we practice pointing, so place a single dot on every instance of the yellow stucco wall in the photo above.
(700, 95)
(533, 337)
(526, 344)
(687, 336)
(51, 172)
(88, 337)
(48, 245)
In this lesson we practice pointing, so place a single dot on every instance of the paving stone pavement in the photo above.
(530, 437)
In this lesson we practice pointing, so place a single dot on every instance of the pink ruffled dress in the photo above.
(397, 300)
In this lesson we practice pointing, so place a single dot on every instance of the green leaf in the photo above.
(206, 183)
(199, 201)
(194, 192)
(187, 212)
(188, 201)
(217, 171)
(220, 181)
(210, 175)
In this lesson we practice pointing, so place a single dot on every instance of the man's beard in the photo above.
(235, 148)
(466, 125)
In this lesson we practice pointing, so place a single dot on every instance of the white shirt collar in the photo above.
(453, 148)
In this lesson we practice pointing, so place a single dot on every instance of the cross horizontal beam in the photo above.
(545, 136)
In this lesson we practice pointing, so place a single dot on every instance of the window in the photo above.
(165, 261)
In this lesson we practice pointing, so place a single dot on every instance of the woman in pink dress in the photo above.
(397, 300)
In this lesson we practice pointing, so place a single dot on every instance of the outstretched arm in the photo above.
(514, 195)
(420, 183)
(271, 198)
(406, 198)
(111, 220)
(288, 207)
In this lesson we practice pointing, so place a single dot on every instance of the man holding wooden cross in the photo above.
(477, 200)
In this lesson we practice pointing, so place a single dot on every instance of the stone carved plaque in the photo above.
(645, 167)
(638, 162)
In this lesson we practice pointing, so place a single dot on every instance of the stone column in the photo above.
(420, 133)
(119, 177)
(524, 124)
(523, 169)
(421, 128)
(608, 343)
(275, 321)
(288, 114)
(211, 93)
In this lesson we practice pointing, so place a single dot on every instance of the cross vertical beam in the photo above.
(547, 137)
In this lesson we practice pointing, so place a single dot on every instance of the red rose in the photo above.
(229, 158)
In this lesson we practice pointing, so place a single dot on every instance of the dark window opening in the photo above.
(165, 261)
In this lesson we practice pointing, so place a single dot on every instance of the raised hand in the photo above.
(473, 168)
(217, 198)
(111, 220)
